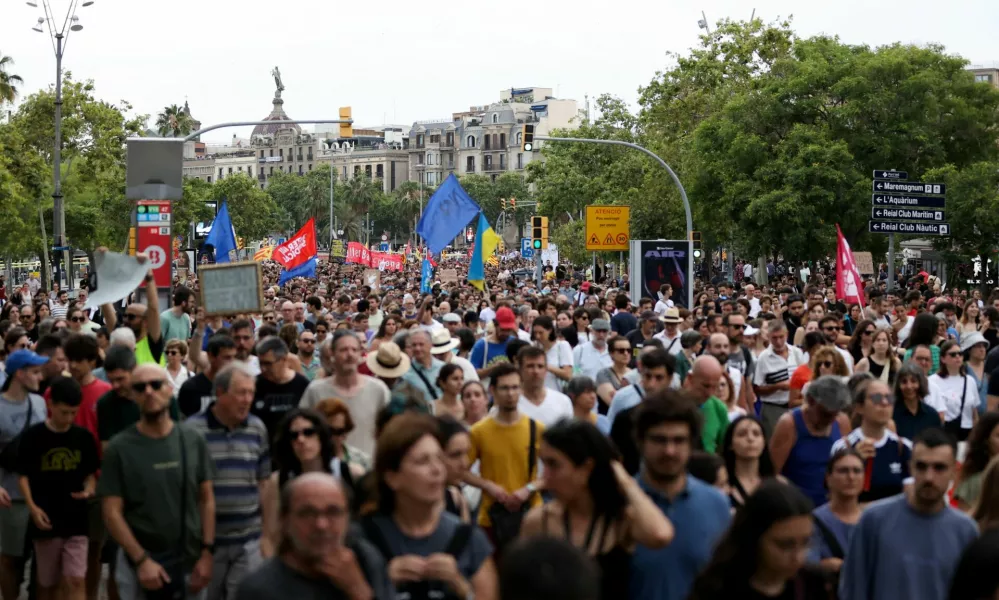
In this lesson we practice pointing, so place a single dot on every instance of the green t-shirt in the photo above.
(715, 423)
(116, 414)
(175, 328)
(145, 472)
(969, 489)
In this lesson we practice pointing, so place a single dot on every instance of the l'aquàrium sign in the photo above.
(909, 201)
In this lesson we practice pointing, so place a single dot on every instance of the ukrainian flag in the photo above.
(486, 242)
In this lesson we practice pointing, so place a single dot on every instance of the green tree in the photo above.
(8, 81)
(22, 186)
(571, 241)
(174, 122)
(254, 213)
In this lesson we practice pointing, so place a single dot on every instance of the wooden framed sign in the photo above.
(233, 288)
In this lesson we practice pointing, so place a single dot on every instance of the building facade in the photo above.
(373, 153)
(989, 75)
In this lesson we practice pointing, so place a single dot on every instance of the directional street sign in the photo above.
(908, 187)
(525, 248)
(912, 201)
(889, 174)
(907, 214)
(942, 229)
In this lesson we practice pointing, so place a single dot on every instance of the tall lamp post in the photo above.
(60, 37)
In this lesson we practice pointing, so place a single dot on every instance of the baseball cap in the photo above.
(451, 318)
(505, 318)
(20, 359)
(600, 325)
(585, 287)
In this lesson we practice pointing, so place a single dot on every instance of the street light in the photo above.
(59, 40)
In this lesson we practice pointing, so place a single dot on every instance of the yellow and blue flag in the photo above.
(486, 242)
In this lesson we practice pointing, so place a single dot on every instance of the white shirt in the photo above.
(466, 368)
(254, 365)
(754, 307)
(846, 357)
(589, 361)
(559, 355)
(523, 335)
(432, 327)
(662, 305)
(671, 344)
(771, 368)
(747, 270)
(950, 390)
(555, 407)
(486, 315)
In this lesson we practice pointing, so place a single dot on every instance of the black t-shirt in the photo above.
(195, 395)
(56, 465)
(637, 341)
(272, 400)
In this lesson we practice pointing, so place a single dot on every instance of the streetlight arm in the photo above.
(676, 180)
(249, 123)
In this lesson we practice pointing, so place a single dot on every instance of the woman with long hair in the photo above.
(747, 459)
(923, 333)
(764, 552)
(985, 509)
(969, 318)
(726, 393)
(809, 322)
(563, 319)
(611, 379)
(303, 444)
(429, 552)
(976, 348)
(912, 413)
(386, 331)
(455, 441)
(983, 446)
(558, 353)
(581, 322)
(450, 380)
(836, 520)
(957, 391)
(881, 361)
(349, 463)
(596, 505)
(854, 315)
(860, 343)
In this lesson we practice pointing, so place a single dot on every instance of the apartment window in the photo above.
(495, 118)
(240, 169)
(488, 163)
(503, 162)
(520, 160)
(209, 179)
(272, 171)
(419, 140)
(272, 151)
(470, 164)
(261, 154)
(435, 139)
(450, 139)
(985, 78)
(380, 171)
(470, 141)
(357, 170)
(450, 160)
(249, 171)
(520, 138)
(345, 172)
(488, 141)
(367, 171)
(502, 140)
(281, 150)
(496, 142)
(310, 167)
(419, 159)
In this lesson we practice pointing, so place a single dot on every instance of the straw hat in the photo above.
(389, 361)
(442, 341)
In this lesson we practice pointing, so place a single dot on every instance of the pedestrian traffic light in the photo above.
(513, 203)
(695, 236)
(527, 138)
(503, 203)
(346, 129)
(539, 233)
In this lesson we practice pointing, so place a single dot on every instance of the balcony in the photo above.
(261, 177)
(450, 165)
(420, 167)
(447, 144)
(299, 159)
(493, 167)
(419, 146)
(470, 169)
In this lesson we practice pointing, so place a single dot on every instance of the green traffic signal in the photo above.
(537, 244)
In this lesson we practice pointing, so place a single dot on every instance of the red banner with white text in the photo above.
(383, 261)
(299, 249)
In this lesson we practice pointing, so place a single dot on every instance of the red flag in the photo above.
(848, 282)
(298, 249)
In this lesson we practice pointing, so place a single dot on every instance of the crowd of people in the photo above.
(359, 439)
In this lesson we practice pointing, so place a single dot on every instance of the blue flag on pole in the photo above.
(447, 213)
(426, 277)
(222, 236)
(306, 269)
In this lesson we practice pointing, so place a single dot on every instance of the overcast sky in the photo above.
(398, 61)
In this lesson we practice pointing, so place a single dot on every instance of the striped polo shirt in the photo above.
(242, 462)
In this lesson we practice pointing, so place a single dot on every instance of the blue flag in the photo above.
(222, 236)
(447, 213)
(306, 269)
(426, 277)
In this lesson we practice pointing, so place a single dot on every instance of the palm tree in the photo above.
(173, 122)
(8, 81)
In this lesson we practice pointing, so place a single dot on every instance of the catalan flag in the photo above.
(486, 242)
(263, 254)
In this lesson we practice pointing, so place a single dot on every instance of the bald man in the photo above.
(158, 454)
(317, 559)
(702, 385)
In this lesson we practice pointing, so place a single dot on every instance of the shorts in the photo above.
(14, 529)
(60, 557)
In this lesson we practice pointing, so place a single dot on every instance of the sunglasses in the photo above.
(308, 432)
(621, 350)
(735, 326)
(26, 317)
(827, 364)
(140, 386)
(953, 354)
(307, 341)
(76, 319)
(584, 318)
(879, 398)
(831, 328)
(172, 353)
(868, 332)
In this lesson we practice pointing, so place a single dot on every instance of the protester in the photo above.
(455, 442)
(836, 520)
(983, 445)
(278, 388)
(912, 414)
(773, 373)
(592, 357)
(538, 401)
(958, 391)
(656, 372)
(611, 379)
(196, 393)
(558, 353)
(747, 459)
(544, 568)
(475, 401)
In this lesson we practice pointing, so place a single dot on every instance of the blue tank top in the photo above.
(806, 464)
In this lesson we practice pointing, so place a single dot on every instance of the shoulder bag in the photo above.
(173, 560)
(506, 523)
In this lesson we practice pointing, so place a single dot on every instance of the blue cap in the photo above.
(20, 359)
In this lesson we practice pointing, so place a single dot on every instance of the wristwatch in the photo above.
(531, 487)
(209, 547)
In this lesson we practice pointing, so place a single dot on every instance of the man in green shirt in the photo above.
(150, 469)
(702, 383)
(176, 321)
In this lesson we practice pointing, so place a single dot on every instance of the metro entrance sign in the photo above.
(907, 214)
(942, 229)
(153, 221)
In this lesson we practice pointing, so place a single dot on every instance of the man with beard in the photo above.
(656, 368)
(317, 558)
(740, 364)
(144, 321)
(914, 528)
(242, 334)
(792, 316)
(158, 454)
(667, 428)
(176, 321)
(830, 328)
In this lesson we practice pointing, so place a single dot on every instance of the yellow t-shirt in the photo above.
(502, 452)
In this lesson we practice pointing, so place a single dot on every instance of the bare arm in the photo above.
(153, 329)
(563, 373)
(110, 316)
(206, 506)
(269, 515)
(782, 441)
(605, 391)
(485, 582)
(647, 524)
(114, 518)
(194, 355)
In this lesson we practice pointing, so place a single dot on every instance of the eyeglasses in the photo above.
(140, 386)
(826, 364)
(26, 317)
(879, 398)
(306, 341)
(831, 328)
(737, 325)
(308, 432)
(848, 471)
(76, 319)
(868, 332)
(953, 354)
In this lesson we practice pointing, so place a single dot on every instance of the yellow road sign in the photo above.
(607, 227)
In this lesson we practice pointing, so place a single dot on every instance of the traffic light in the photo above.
(346, 129)
(695, 236)
(513, 203)
(503, 203)
(539, 233)
(527, 138)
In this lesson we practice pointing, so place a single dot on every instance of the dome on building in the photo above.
(277, 114)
